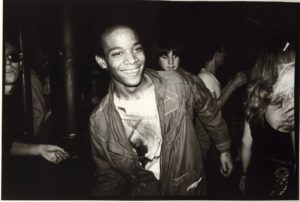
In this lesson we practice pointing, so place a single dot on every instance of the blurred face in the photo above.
(169, 61)
(12, 64)
(220, 57)
(124, 57)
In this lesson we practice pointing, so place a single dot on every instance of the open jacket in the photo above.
(179, 99)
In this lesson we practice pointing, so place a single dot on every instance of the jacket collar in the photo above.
(159, 83)
(160, 90)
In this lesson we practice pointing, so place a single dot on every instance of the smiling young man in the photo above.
(142, 133)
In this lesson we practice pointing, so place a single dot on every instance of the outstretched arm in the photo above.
(51, 153)
(239, 80)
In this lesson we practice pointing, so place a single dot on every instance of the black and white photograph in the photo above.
(150, 100)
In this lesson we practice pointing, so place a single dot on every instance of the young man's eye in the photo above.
(116, 54)
(164, 56)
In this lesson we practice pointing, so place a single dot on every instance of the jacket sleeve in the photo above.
(207, 111)
(109, 181)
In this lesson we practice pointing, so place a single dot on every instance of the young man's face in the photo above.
(169, 61)
(12, 65)
(124, 56)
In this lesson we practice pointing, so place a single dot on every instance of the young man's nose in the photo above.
(131, 58)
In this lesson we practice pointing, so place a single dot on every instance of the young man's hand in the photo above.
(226, 164)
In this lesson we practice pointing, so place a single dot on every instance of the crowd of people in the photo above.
(154, 131)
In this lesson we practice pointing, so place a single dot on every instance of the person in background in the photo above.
(51, 153)
(268, 143)
(142, 133)
(13, 141)
(40, 91)
(215, 59)
(168, 56)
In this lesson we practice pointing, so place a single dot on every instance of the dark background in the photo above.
(245, 26)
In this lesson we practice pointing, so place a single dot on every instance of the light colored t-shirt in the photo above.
(141, 123)
(210, 81)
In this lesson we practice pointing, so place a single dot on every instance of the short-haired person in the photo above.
(268, 143)
(215, 58)
(142, 133)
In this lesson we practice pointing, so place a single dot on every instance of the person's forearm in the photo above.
(246, 156)
(219, 133)
(226, 93)
(23, 149)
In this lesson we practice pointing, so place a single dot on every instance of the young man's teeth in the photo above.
(131, 70)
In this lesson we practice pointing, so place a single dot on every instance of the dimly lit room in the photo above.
(62, 145)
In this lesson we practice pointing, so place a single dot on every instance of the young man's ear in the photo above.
(101, 62)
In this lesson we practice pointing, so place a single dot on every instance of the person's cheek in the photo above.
(177, 63)
(141, 56)
(161, 64)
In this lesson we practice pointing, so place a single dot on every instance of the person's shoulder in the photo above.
(189, 75)
(100, 108)
(172, 76)
(206, 77)
(204, 74)
(98, 124)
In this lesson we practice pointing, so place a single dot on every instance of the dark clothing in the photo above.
(23, 177)
(11, 113)
(7, 126)
(178, 100)
(272, 165)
